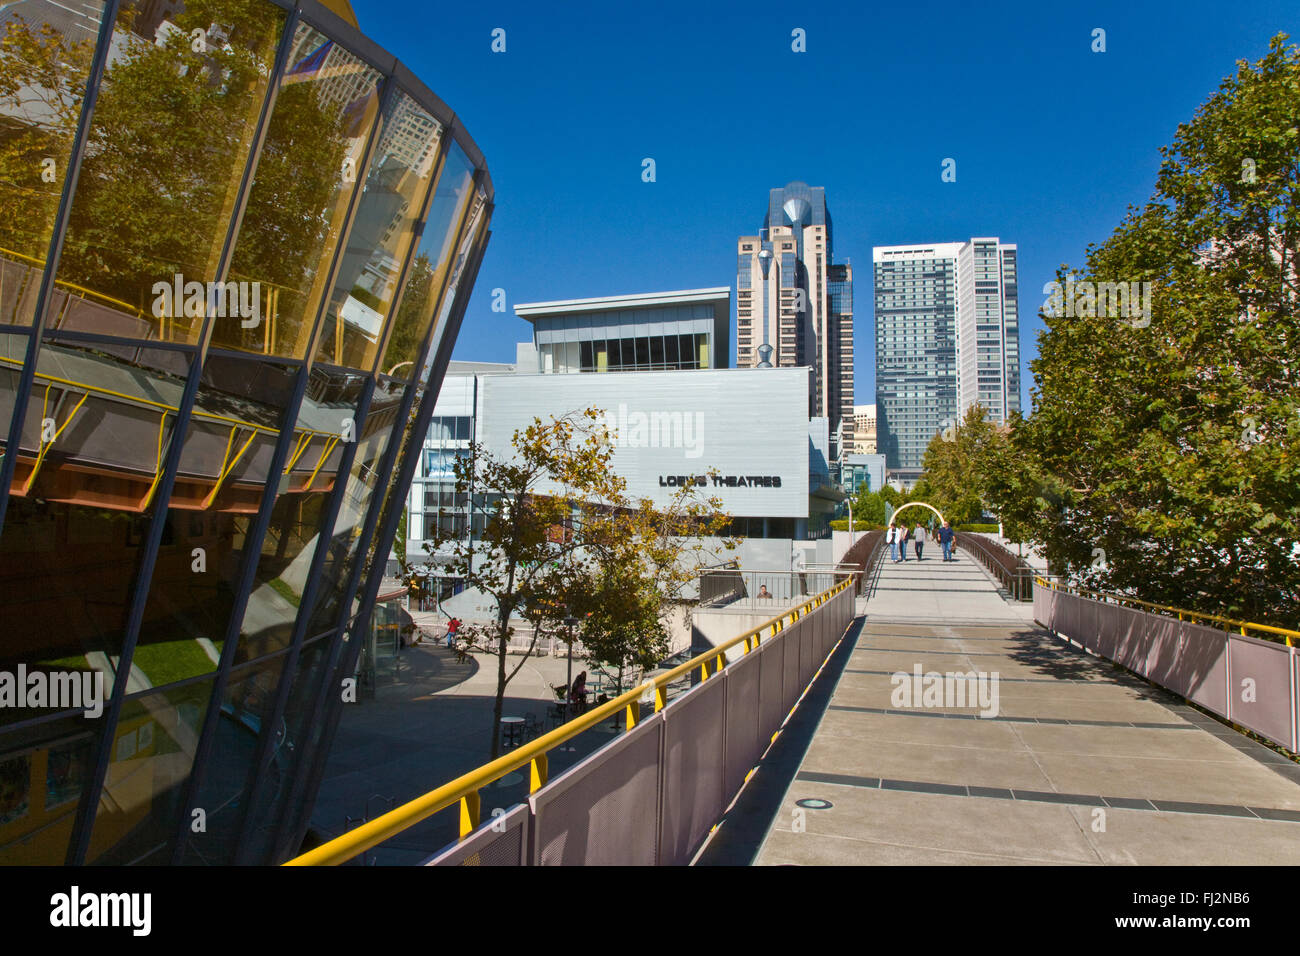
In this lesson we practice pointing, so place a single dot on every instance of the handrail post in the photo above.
(470, 807)
(633, 713)
(539, 772)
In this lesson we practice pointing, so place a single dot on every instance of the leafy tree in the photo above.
(956, 468)
(1161, 459)
(562, 538)
(643, 558)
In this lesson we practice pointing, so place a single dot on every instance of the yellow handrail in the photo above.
(1182, 613)
(465, 788)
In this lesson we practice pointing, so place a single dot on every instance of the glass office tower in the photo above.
(236, 241)
(916, 351)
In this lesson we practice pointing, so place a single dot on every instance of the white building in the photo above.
(651, 365)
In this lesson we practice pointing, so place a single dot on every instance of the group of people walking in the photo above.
(898, 537)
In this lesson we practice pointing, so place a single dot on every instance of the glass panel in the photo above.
(97, 430)
(43, 775)
(381, 235)
(380, 425)
(222, 476)
(306, 175)
(165, 157)
(294, 743)
(45, 53)
(150, 761)
(326, 421)
(432, 259)
(245, 705)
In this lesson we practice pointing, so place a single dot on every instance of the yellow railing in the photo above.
(1267, 631)
(465, 788)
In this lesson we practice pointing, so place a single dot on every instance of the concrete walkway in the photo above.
(1081, 764)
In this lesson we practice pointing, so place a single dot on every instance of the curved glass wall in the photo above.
(231, 234)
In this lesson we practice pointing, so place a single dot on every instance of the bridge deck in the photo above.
(1082, 764)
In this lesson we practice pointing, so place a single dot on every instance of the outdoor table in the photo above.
(513, 727)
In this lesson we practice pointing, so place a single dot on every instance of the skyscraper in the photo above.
(988, 330)
(947, 336)
(794, 305)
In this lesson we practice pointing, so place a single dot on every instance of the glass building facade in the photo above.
(236, 242)
(916, 350)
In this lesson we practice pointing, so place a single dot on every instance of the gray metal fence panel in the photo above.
(1164, 651)
(807, 652)
(771, 700)
(694, 762)
(605, 809)
(1205, 666)
(791, 687)
(1133, 630)
(745, 741)
(1260, 687)
(502, 842)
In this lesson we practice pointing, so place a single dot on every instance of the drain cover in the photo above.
(812, 803)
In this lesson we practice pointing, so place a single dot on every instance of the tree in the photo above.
(643, 559)
(561, 538)
(957, 468)
(1161, 459)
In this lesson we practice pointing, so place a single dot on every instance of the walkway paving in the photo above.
(1082, 763)
(430, 725)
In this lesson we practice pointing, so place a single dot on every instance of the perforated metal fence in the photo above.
(1249, 681)
(653, 794)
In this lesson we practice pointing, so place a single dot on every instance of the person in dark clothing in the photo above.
(946, 536)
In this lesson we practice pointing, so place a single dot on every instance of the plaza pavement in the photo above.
(1083, 763)
(430, 725)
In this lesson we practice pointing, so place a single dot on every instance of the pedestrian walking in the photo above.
(919, 538)
(946, 537)
(902, 543)
(453, 626)
(892, 537)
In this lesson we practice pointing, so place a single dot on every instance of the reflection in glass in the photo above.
(381, 235)
(364, 477)
(90, 459)
(306, 175)
(165, 155)
(43, 771)
(297, 744)
(222, 476)
(46, 50)
(246, 707)
(432, 260)
(151, 756)
(327, 421)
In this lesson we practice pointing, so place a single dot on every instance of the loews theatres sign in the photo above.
(721, 481)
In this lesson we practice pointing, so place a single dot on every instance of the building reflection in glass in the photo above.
(206, 376)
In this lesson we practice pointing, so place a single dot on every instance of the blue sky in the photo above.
(1053, 142)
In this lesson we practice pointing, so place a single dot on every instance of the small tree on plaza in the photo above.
(561, 538)
(528, 552)
(644, 558)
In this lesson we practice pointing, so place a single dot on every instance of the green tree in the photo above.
(561, 538)
(957, 465)
(1161, 459)
(643, 558)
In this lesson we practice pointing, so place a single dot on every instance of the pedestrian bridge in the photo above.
(1080, 762)
(930, 718)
